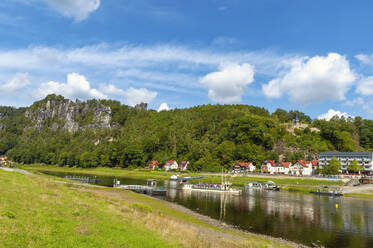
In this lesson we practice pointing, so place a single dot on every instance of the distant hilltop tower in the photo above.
(296, 121)
(141, 106)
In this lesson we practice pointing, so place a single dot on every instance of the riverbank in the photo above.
(38, 212)
(287, 183)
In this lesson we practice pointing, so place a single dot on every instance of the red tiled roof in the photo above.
(154, 162)
(171, 161)
(183, 164)
(315, 162)
(285, 164)
(272, 162)
(247, 165)
(304, 163)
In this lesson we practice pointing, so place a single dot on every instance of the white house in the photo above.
(268, 167)
(183, 165)
(171, 165)
(281, 168)
(239, 167)
(302, 168)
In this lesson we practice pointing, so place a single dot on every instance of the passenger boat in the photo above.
(216, 188)
(264, 186)
(183, 179)
(224, 187)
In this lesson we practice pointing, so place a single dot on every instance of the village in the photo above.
(299, 168)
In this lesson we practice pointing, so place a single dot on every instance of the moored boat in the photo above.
(224, 187)
(328, 191)
(215, 188)
(174, 177)
(263, 186)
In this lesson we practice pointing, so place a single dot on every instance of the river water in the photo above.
(303, 218)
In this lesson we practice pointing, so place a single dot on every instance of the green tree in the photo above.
(332, 168)
(354, 167)
(225, 152)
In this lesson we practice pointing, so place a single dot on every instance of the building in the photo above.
(365, 159)
(152, 165)
(315, 166)
(302, 168)
(239, 167)
(282, 168)
(183, 165)
(171, 165)
(3, 158)
(268, 167)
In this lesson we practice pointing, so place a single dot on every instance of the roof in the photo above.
(154, 162)
(183, 163)
(171, 161)
(272, 162)
(285, 164)
(245, 164)
(314, 162)
(303, 163)
(346, 154)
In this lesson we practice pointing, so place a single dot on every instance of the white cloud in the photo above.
(365, 86)
(103, 56)
(76, 86)
(331, 113)
(314, 80)
(354, 102)
(160, 67)
(136, 96)
(163, 107)
(110, 89)
(18, 82)
(229, 84)
(365, 59)
(77, 9)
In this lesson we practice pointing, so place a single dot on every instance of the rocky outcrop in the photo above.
(141, 106)
(60, 110)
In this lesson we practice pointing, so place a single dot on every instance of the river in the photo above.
(299, 217)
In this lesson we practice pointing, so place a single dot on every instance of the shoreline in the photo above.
(297, 184)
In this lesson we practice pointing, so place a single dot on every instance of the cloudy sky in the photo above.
(314, 56)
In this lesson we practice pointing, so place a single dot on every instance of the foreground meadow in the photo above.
(36, 211)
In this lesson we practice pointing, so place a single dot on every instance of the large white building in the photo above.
(365, 159)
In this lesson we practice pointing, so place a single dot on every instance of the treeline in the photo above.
(208, 136)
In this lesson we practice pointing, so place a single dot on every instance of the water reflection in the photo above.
(313, 220)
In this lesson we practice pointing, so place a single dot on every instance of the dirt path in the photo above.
(361, 189)
(16, 170)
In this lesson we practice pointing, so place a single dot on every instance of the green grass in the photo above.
(359, 195)
(37, 212)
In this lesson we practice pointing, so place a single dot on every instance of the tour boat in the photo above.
(265, 186)
(224, 187)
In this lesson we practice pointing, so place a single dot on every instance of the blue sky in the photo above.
(314, 56)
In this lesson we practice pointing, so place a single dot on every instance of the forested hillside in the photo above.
(105, 133)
